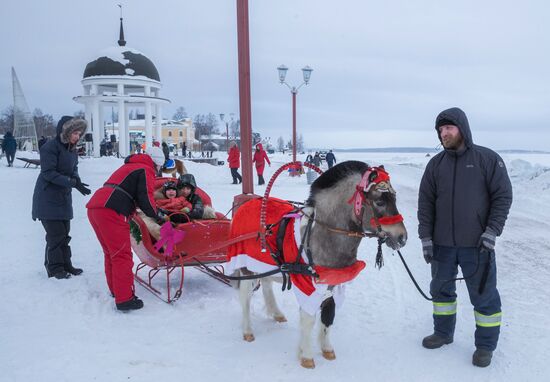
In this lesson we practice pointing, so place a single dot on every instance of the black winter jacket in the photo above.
(463, 192)
(52, 199)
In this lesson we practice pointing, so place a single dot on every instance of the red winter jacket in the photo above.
(129, 187)
(234, 158)
(260, 156)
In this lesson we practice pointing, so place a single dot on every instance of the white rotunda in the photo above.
(123, 78)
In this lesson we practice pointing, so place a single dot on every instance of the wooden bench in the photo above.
(29, 162)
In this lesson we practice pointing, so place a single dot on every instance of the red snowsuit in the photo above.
(234, 158)
(260, 156)
(108, 211)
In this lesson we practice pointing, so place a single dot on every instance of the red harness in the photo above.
(372, 177)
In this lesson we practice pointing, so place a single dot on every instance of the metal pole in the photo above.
(244, 95)
(294, 92)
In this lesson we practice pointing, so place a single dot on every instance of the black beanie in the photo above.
(443, 122)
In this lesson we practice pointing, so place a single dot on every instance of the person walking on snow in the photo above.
(260, 157)
(52, 199)
(234, 161)
(9, 146)
(464, 198)
(131, 186)
(330, 158)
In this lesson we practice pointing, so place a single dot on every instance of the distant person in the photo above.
(9, 145)
(41, 142)
(330, 158)
(166, 151)
(128, 188)
(52, 200)
(260, 157)
(234, 161)
(309, 158)
(464, 199)
(316, 161)
(183, 149)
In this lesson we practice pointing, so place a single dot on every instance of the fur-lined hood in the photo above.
(67, 125)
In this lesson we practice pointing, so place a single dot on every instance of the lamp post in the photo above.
(222, 118)
(306, 71)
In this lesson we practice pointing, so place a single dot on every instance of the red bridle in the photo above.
(372, 177)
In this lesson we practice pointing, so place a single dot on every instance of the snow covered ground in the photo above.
(57, 330)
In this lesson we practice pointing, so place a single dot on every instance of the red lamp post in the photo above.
(294, 90)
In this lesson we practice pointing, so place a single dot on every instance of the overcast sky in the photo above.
(382, 72)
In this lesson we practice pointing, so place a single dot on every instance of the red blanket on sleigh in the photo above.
(248, 253)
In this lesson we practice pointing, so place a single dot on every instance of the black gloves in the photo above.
(427, 250)
(81, 187)
(487, 240)
(162, 216)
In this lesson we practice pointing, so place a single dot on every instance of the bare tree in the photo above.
(205, 124)
(44, 123)
(300, 143)
(280, 144)
(235, 129)
(7, 120)
(180, 114)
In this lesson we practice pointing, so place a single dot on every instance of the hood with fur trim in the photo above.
(67, 125)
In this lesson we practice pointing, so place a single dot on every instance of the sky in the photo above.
(383, 70)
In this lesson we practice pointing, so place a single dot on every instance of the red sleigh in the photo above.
(205, 242)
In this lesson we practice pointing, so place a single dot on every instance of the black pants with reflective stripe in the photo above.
(58, 252)
(473, 263)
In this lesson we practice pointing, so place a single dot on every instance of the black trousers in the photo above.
(10, 156)
(236, 176)
(58, 252)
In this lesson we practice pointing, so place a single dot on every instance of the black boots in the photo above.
(261, 180)
(73, 271)
(134, 304)
(434, 341)
(482, 357)
(60, 275)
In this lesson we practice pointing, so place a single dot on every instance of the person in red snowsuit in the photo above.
(234, 161)
(131, 186)
(260, 157)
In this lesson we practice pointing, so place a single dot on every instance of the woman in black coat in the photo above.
(52, 201)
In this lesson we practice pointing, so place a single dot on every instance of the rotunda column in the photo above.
(101, 122)
(148, 125)
(95, 127)
(158, 126)
(122, 134)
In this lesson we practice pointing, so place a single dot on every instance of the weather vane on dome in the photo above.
(121, 41)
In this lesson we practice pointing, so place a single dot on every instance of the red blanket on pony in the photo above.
(309, 291)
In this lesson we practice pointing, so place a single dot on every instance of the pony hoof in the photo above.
(249, 337)
(308, 363)
(329, 354)
(280, 318)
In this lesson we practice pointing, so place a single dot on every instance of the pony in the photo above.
(173, 167)
(346, 203)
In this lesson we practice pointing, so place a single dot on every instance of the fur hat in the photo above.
(69, 125)
(156, 155)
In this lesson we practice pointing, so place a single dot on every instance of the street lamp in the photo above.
(222, 118)
(306, 71)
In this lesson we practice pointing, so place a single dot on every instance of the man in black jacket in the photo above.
(52, 200)
(464, 199)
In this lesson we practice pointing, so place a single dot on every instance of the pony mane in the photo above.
(333, 176)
